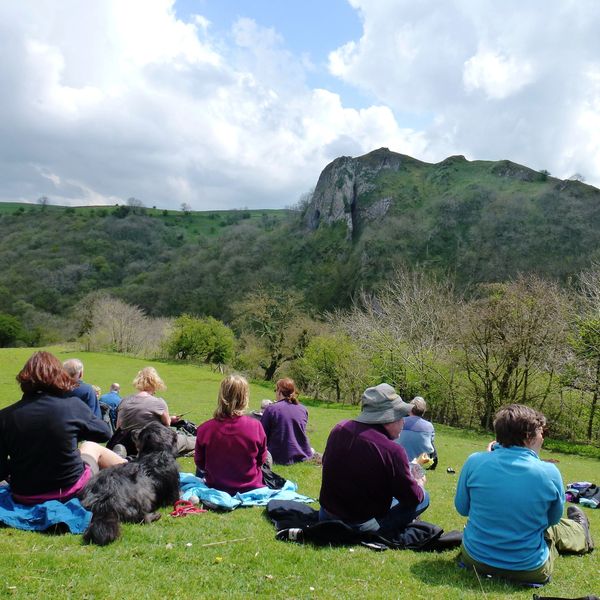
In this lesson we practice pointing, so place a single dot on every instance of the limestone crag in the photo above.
(343, 182)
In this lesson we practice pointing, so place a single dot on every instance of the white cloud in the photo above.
(105, 100)
(496, 75)
(119, 98)
(498, 80)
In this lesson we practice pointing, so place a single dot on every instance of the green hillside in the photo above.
(476, 221)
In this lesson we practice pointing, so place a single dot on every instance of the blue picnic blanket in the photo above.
(194, 486)
(40, 517)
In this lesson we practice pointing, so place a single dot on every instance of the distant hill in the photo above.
(476, 221)
(480, 220)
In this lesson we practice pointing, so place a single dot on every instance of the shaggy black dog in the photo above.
(131, 493)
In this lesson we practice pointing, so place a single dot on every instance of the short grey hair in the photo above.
(115, 387)
(419, 406)
(74, 367)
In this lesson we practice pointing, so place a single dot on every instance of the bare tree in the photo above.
(108, 323)
(410, 323)
(586, 343)
(511, 338)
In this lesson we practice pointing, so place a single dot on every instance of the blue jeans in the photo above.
(397, 518)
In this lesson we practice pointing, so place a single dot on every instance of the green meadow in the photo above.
(235, 555)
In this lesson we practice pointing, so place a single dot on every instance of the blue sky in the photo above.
(243, 103)
(308, 28)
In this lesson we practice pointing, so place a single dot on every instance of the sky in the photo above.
(223, 104)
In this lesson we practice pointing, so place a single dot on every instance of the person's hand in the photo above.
(422, 481)
(175, 419)
(491, 445)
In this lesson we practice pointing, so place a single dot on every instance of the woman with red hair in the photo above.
(39, 436)
(285, 423)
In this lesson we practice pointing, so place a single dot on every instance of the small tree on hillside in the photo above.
(333, 363)
(203, 339)
(275, 317)
(11, 331)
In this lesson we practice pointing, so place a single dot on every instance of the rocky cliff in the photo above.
(345, 184)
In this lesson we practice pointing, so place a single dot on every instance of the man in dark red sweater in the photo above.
(367, 480)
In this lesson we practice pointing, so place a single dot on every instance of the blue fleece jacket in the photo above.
(511, 497)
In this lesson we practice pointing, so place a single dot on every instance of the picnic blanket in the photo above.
(298, 523)
(194, 486)
(41, 517)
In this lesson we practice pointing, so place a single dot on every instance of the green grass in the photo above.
(142, 564)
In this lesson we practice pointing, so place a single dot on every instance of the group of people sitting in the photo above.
(513, 500)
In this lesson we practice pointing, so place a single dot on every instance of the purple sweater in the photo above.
(231, 451)
(285, 426)
(363, 469)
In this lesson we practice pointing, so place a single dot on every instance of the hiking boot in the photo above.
(120, 450)
(576, 514)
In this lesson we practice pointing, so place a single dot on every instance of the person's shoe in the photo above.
(576, 514)
(120, 450)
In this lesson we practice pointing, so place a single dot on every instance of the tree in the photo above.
(409, 325)
(333, 363)
(512, 337)
(274, 316)
(107, 323)
(185, 208)
(203, 339)
(11, 331)
(586, 342)
(577, 177)
(43, 201)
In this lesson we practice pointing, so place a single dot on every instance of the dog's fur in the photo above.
(130, 493)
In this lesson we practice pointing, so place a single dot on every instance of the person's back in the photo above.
(513, 498)
(231, 451)
(139, 409)
(285, 426)
(39, 433)
(514, 503)
(232, 447)
(416, 437)
(363, 470)
(112, 401)
(83, 391)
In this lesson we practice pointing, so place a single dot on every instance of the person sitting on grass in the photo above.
(39, 435)
(514, 503)
(285, 423)
(84, 391)
(112, 401)
(231, 447)
(367, 481)
(417, 434)
(144, 407)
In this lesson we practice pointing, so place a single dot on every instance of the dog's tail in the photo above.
(104, 529)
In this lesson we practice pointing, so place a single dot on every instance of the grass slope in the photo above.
(175, 558)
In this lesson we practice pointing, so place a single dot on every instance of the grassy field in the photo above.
(177, 558)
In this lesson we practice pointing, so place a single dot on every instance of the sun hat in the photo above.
(381, 404)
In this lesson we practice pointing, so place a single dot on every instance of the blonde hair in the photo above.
(148, 380)
(233, 397)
